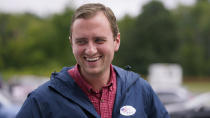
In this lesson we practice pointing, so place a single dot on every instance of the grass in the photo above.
(198, 86)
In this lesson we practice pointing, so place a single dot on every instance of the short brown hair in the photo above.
(89, 10)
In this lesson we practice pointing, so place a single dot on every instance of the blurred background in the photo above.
(166, 41)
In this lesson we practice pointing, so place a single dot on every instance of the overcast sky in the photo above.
(45, 7)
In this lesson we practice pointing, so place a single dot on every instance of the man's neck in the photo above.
(98, 81)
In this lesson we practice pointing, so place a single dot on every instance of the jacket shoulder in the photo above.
(45, 89)
(129, 76)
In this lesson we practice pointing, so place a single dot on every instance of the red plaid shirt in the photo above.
(102, 100)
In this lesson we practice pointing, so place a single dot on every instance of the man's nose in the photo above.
(91, 49)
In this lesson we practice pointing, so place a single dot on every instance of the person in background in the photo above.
(93, 88)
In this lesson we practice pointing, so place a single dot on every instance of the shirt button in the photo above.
(102, 100)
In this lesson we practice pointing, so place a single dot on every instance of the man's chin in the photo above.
(92, 71)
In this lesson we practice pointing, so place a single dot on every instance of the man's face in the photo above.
(93, 44)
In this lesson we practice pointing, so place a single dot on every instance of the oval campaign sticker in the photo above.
(127, 110)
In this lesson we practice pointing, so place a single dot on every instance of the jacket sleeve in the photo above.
(156, 108)
(30, 109)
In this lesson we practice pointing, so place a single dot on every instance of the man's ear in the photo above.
(117, 42)
(70, 40)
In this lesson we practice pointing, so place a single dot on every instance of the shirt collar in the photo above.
(74, 72)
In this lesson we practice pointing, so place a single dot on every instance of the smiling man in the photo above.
(93, 87)
(93, 45)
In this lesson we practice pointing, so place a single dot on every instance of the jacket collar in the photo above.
(125, 79)
(66, 86)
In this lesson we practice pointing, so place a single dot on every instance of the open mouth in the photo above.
(92, 59)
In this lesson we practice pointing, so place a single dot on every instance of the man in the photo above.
(93, 88)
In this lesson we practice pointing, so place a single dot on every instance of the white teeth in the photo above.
(92, 59)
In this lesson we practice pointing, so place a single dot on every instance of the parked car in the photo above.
(173, 95)
(196, 107)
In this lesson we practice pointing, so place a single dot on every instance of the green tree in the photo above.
(153, 38)
(62, 48)
(126, 25)
(193, 27)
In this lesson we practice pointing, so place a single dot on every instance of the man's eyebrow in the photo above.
(81, 38)
(100, 37)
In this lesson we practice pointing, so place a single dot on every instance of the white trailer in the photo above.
(163, 75)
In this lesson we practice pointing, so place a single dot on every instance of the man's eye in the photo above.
(100, 41)
(81, 42)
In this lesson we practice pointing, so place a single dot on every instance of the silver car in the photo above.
(196, 107)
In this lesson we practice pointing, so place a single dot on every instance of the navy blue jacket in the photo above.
(62, 98)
